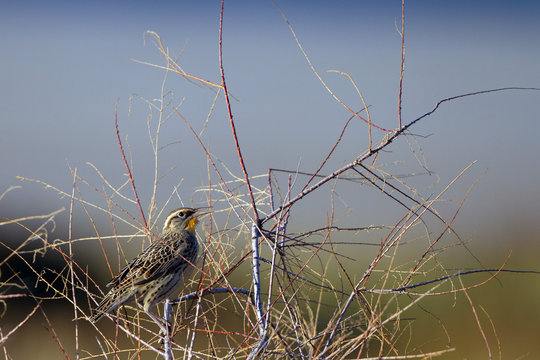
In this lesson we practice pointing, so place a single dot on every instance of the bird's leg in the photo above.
(165, 327)
(163, 324)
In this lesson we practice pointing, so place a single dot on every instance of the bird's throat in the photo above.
(192, 224)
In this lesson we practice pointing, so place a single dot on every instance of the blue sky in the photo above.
(64, 64)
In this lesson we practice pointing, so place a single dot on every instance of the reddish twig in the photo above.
(255, 229)
(231, 121)
(131, 179)
(56, 340)
(12, 296)
(4, 338)
(316, 173)
(402, 34)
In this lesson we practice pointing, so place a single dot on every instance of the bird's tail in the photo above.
(110, 302)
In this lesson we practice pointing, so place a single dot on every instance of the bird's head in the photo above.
(183, 219)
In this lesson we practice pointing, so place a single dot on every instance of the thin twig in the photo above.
(383, 145)
(131, 179)
(196, 295)
(21, 323)
(255, 231)
(231, 121)
(74, 298)
(312, 67)
(102, 349)
(402, 67)
(195, 322)
(478, 323)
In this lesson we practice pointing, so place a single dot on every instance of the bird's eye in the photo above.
(181, 214)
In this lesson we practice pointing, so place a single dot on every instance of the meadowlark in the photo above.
(158, 270)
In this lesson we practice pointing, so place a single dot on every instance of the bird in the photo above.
(160, 269)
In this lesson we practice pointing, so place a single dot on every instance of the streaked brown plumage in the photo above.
(159, 270)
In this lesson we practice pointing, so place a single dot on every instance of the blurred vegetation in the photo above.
(506, 306)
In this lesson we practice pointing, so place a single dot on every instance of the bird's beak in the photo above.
(202, 211)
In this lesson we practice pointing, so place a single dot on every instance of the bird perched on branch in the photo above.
(159, 270)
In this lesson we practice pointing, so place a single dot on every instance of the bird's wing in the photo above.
(164, 259)
(149, 265)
